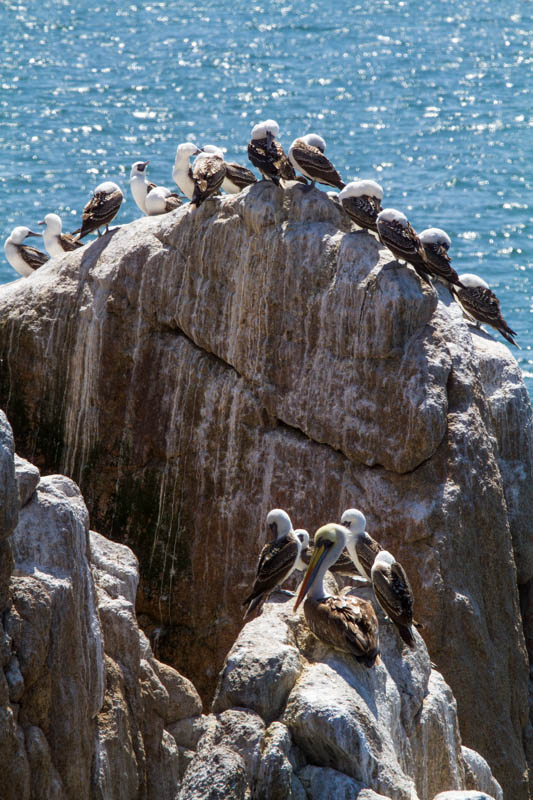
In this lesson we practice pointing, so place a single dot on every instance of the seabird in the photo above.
(394, 594)
(345, 622)
(23, 258)
(306, 154)
(436, 243)
(101, 209)
(302, 561)
(139, 184)
(56, 242)
(277, 560)
(362, 202)
(182, 172)
(481, 305)
(396, 233)
(267, 154)
(161, 200)
(362, 548)
(208, 173)
(237, 177)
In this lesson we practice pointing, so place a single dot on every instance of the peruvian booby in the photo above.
(362, 202)
(56, 242)
(208, 173)
(139, 184)
(161, 200)
(436, 244)
(362, 548)
(277, 560)
(182, 172)
(101, 209)
(267, 154)
(22, 257)
(394, 594)
(302, 561)
(481, 305)
(396, 233)
(306, 154)
(345, 622)
(237, 177)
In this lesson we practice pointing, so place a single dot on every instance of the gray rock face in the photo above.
(28, 477)
(8, 497)
(262, 350)
(343, 730)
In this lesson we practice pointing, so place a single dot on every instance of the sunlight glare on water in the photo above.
(432, 99)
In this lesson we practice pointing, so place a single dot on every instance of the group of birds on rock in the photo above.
(344, 621)
(209, 173)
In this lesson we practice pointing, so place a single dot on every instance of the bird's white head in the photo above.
(269, 127)
(359, 188)
(303, 536)
(107, 187)
(279, 522)
(19, 233)
(435, 236)
(389, 215)
(187, 149)
(53, 223)
(384, 558)
(139, 168)
(354, 520)
(472, 281)
(213, 150)
(314, 140)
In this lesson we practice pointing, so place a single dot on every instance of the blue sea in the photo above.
(432, 99)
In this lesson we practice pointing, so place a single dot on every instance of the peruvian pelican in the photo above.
(362, 548)
(394, 594)
(306, 154)
(277, 560)
(101, 209)
(346, 623)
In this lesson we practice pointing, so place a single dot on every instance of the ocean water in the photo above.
(432, 99)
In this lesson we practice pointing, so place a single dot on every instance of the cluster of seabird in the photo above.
(210, 173)
(345, 622)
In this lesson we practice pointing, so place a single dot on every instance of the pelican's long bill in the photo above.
(318, 557)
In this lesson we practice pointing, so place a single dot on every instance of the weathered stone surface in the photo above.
(183, 699)
(261, 354)
(277, 778)
(28, 477)
(8, 496)
(467, 795)
(187, 732)
(320, 782)
(478, 774)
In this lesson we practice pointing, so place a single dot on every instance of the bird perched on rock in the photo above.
(302, 561)
(208, 173)
(56, 242)
(436, 244)
(22, 257)
(481, 305)
(345, 622)
(277, 560)
(396, 233)
(139, 184)
(394, 594)
(161, 200)
(267, 154)
(306, 154)
(101, 209)
(237, 177)
(362, 548)
(362, 202)
(182, 172)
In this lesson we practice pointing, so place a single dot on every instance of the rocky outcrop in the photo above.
(191, 371)
(293, 719)
(85, 708)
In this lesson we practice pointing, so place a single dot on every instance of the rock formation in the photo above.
(85, 708)
(193, 370)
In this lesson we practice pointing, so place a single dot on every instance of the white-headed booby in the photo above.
(481, 304)
(56, 242)
(267, 154)
(396, 233)
(182, 172)
(394, 594)
(436, 244)
(362, 202)
(23, 258)
(101, 209)
(306, 154)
